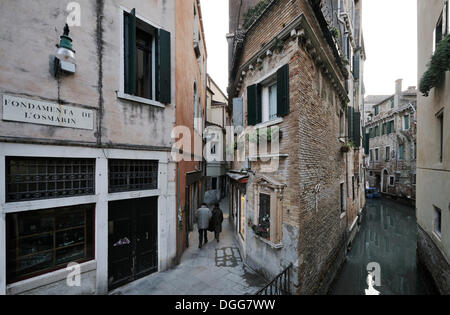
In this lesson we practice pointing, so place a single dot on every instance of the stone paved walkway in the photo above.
(216, 269)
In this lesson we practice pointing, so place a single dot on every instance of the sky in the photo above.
(215, 23)
(390, 36)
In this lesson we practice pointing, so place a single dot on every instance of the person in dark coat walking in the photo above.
(216, 221)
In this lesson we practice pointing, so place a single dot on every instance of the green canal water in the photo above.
(388, 237)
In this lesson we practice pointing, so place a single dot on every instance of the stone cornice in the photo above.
(389, 117)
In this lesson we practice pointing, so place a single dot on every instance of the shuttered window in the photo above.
(356, 67)
(254, 105)
(350, 112)
(401, 152)
(164, 67)
(145, 46)
(283, 91)
(357, 128)
(276, 90)
(406, 127)
(366, 143)
(238, 116)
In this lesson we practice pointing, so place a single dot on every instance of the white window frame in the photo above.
(121, 92)
(265, 98)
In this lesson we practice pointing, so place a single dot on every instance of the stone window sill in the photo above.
(138, 99)
(273, 245)
(269, 123)
(47, 279)
(268, 156)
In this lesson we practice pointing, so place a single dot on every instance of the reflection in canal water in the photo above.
(387, 241)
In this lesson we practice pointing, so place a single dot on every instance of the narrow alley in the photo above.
(216, 269)
(388, 237)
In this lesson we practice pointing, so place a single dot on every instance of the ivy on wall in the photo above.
(254, 13)
(439, 64)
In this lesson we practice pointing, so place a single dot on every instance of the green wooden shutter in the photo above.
(350, 112)
(389, 128)
(252, 105)
(356, 67)
(283, 91)
(258, 103)
(163, 82)
(357, 128)
(367, 143)
(130, 52)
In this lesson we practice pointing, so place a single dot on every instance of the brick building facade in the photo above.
(297, 204)
(391, 129)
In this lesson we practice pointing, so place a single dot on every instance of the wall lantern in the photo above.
(65, 55)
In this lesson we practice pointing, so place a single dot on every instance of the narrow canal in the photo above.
(387, 239)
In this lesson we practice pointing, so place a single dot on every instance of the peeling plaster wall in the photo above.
(29, 31)
(27, 70)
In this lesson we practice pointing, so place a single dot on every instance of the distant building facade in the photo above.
(391, 127)
(433, 156)
(298, 202)
(217, 120)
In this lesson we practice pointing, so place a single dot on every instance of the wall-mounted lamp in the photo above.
(65, 55)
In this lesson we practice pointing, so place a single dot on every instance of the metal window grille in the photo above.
(132, 175)
(48, 178)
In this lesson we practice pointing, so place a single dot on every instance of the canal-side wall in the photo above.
(434, 260)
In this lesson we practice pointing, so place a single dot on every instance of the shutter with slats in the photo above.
(238, 116)
(350, 112)
(366, 143)
(357, 128)
(283, 91)
(164, 91)
(356, 67)
(130, 52)
(252, 106)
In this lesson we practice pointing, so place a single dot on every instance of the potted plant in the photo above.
(347, 146)
(335, 32)
(439, 64)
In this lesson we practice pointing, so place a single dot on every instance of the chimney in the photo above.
(398, 92)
